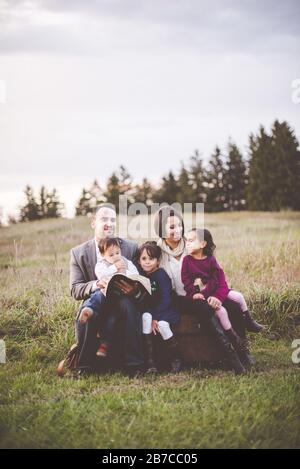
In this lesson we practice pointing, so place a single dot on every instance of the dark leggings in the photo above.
(207, 316)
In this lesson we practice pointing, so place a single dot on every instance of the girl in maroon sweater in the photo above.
(204, 279)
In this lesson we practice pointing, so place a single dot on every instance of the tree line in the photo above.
(266, 178)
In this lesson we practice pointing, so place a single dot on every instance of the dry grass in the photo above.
(260, 253)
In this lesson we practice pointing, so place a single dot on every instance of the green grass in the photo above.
(200, 408)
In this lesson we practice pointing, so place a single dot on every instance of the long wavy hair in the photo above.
(161, 217)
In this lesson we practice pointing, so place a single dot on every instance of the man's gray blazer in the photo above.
(83, 262)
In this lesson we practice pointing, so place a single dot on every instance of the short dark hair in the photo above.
(104, 205)
(151, 248)
(205, 235)
(106, 243)
(161, 216)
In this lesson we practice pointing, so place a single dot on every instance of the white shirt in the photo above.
(175, 274)
(105, 269)
(99, 257)
(100, 260)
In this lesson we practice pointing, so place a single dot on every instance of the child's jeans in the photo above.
(95, 302)
(109, 324)
(222, 314)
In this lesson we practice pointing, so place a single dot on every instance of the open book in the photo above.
(142, 285)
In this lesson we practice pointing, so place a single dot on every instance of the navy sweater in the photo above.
(161, 304)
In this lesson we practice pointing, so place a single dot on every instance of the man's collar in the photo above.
(98, 253)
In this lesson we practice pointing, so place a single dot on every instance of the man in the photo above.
(83, 283)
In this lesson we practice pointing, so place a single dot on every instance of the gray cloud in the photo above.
(137, 82)
(209, 26)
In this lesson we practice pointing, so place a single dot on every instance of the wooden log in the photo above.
(196, 342)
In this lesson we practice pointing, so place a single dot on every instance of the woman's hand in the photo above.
(198, 296)
(214, 302)
(198, 282)
(155, 327)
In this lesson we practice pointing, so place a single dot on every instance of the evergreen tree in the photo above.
(186, 192)
(235, 179)
(197, 178)
(262, 179)
(168, 190)
(83, 204)
(43, 202)
(144, 192)
(214, 178)
(113, 190)
(90, 199)
(286, 168)
(30, 211)
(125, 184)
(119, 183)
(96, 196)
(53, 205)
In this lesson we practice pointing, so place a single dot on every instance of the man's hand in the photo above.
(198, 296)
(126, 289)
(214, 302)
(120, 265)
(155, 327)
(102, 283)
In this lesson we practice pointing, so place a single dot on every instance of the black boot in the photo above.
(221, 338)
(251, 324)
(241, 347)
(148, 352)
(173, 348)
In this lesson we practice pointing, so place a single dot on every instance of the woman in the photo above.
(169, 227)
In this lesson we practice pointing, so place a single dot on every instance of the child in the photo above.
(161, 312)
(203, 278)
(111, 262)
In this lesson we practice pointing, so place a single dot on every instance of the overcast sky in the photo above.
(88, 85)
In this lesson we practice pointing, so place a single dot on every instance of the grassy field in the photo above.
(260, 253)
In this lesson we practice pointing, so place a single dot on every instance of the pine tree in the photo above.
(214, 178)
(113, 190)
(83, 204)
(125, 184)
(187, 193)
(96, 196)
(286, 167)
(144, 192)
(168, 190)
(53, 205)
(197, 177)
(43, 202)
(30, 211)
(119, 183)
(90, 199)
(262, 178)
(235, 179)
